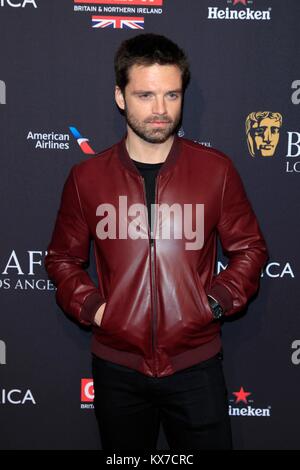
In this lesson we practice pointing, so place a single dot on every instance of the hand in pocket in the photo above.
(99, 314)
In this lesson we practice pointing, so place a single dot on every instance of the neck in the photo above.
(146, 152)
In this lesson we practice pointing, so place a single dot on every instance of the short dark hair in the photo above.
(148, 49)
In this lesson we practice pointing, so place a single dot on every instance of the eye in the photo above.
(173, 95)
(275, 130)
(144, 96)
(259, 131)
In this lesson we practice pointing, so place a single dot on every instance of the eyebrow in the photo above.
(138, 92)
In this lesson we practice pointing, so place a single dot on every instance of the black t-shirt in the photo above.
(149, 172)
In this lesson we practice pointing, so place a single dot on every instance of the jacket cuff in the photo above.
(90, 307)
(223, 296)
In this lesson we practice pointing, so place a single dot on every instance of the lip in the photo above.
(159, 123)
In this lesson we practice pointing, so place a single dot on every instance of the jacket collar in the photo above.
(167, 165)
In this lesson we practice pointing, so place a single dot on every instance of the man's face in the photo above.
(152, 101)
(266, 136)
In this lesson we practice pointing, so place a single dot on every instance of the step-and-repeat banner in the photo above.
(57, 88)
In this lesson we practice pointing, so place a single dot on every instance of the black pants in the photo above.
(191, 405)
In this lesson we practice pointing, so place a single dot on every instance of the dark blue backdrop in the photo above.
(56, 71)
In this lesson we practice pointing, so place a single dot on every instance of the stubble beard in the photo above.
(153, 135)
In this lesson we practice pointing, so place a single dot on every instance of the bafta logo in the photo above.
(262, 131)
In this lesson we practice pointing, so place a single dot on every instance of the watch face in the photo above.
(216, 308)
(218, 312)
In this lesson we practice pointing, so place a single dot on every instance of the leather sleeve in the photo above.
(243, 244)
(68, 255)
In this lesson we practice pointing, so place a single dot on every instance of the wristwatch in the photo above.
(216, 308)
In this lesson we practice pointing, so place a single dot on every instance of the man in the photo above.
(156, 312)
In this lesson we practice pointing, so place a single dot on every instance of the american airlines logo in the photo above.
(238, 13)
(49, 140)
(2, 92)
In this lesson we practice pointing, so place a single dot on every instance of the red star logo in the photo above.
(241, 395)
(243, 2)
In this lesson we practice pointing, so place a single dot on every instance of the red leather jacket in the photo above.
(157, 318)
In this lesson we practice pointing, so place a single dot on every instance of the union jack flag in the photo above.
(118, 22)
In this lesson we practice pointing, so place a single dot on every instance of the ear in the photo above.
(119, 97)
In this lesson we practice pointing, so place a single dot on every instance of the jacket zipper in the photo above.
(153, 281)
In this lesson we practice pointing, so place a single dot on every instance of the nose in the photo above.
(159, 105)
(267, 135)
